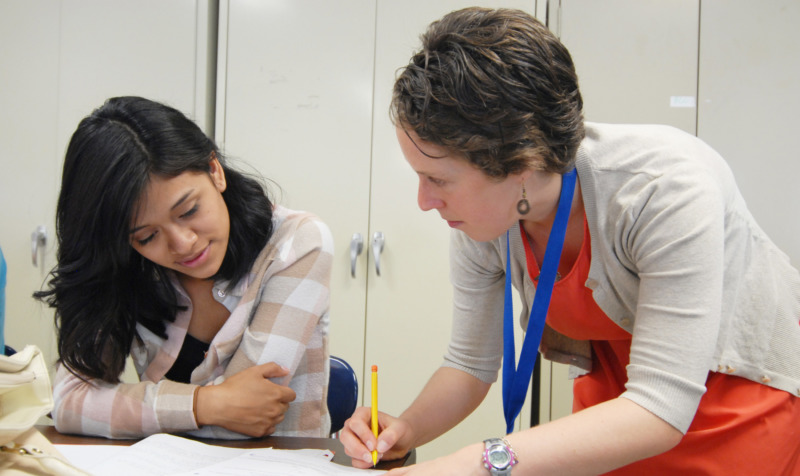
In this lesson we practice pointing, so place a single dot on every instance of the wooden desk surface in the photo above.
(277, 442)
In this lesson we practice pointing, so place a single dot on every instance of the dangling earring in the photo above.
(523, 207)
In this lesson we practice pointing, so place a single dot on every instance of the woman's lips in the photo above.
(198, 260)
(454, 224)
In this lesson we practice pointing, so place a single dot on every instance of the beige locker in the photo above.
(303, 95)
(60, 62)
(28, 185)
(294, 100)
(636, 61)
(749, 100)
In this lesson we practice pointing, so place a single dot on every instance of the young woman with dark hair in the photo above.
(167, 254)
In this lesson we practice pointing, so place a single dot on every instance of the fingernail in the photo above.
(383, 447)
(367, 457)
(370, 446)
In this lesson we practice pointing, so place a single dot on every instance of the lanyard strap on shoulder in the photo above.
(516, 379)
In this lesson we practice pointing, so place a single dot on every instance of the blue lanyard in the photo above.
(516, 379)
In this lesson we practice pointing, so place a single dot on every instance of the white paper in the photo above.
(86, 456)
(169, 455)
(276, 463)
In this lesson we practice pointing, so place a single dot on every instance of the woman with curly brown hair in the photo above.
(635, 258)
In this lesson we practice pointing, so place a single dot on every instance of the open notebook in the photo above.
(163, 454)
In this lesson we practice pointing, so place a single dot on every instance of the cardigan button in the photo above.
(625, 322)
(730, 369)
(766, 379)
(720, 368)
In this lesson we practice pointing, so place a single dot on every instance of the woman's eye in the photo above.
(436, 181)
(147, 240)
(191, 212)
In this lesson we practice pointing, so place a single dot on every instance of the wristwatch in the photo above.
(498, 456)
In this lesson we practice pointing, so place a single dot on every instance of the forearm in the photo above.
(593, 441)
(120, 410)
(449, 396)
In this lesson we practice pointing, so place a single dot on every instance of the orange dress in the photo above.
(741, 427)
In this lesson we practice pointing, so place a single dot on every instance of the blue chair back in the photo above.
(342, 393)
(2, 301)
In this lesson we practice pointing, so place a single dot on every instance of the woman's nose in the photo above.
(427, 200)
(181, 240)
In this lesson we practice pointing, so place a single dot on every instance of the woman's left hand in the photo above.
(464, 462)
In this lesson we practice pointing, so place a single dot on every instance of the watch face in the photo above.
(499, 457)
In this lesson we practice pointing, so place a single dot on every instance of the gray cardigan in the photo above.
(677, 261)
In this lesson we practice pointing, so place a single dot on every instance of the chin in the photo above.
(483, 235)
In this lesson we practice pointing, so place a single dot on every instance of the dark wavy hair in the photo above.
(101, 287)
(495, 86)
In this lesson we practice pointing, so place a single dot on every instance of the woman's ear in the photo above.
(217, 173)
(524, 176)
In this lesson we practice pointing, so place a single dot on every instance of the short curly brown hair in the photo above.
(496, 86)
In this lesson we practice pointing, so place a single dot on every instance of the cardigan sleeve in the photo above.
(477, 274)
(125, 410)
(673, 237)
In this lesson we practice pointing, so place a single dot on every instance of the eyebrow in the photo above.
(174, 206)
(182, 199)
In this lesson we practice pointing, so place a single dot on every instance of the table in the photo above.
(277, 442)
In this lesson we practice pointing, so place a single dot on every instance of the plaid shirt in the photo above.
(279, 313)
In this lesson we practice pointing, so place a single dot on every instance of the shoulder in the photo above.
(292, 228)
(470, 256)
(628, 163)
(644, 149)
(297, 237)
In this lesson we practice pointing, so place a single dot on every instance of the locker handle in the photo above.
(38, 243)
(377, 249)
(356, 246)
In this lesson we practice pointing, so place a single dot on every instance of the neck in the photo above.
(192, 285)
(539, 235)
(538, 228)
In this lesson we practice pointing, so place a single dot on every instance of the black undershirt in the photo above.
(192, 353)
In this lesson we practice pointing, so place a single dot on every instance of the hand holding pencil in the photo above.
(360, 433)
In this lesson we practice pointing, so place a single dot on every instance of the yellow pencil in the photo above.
(375, 411)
